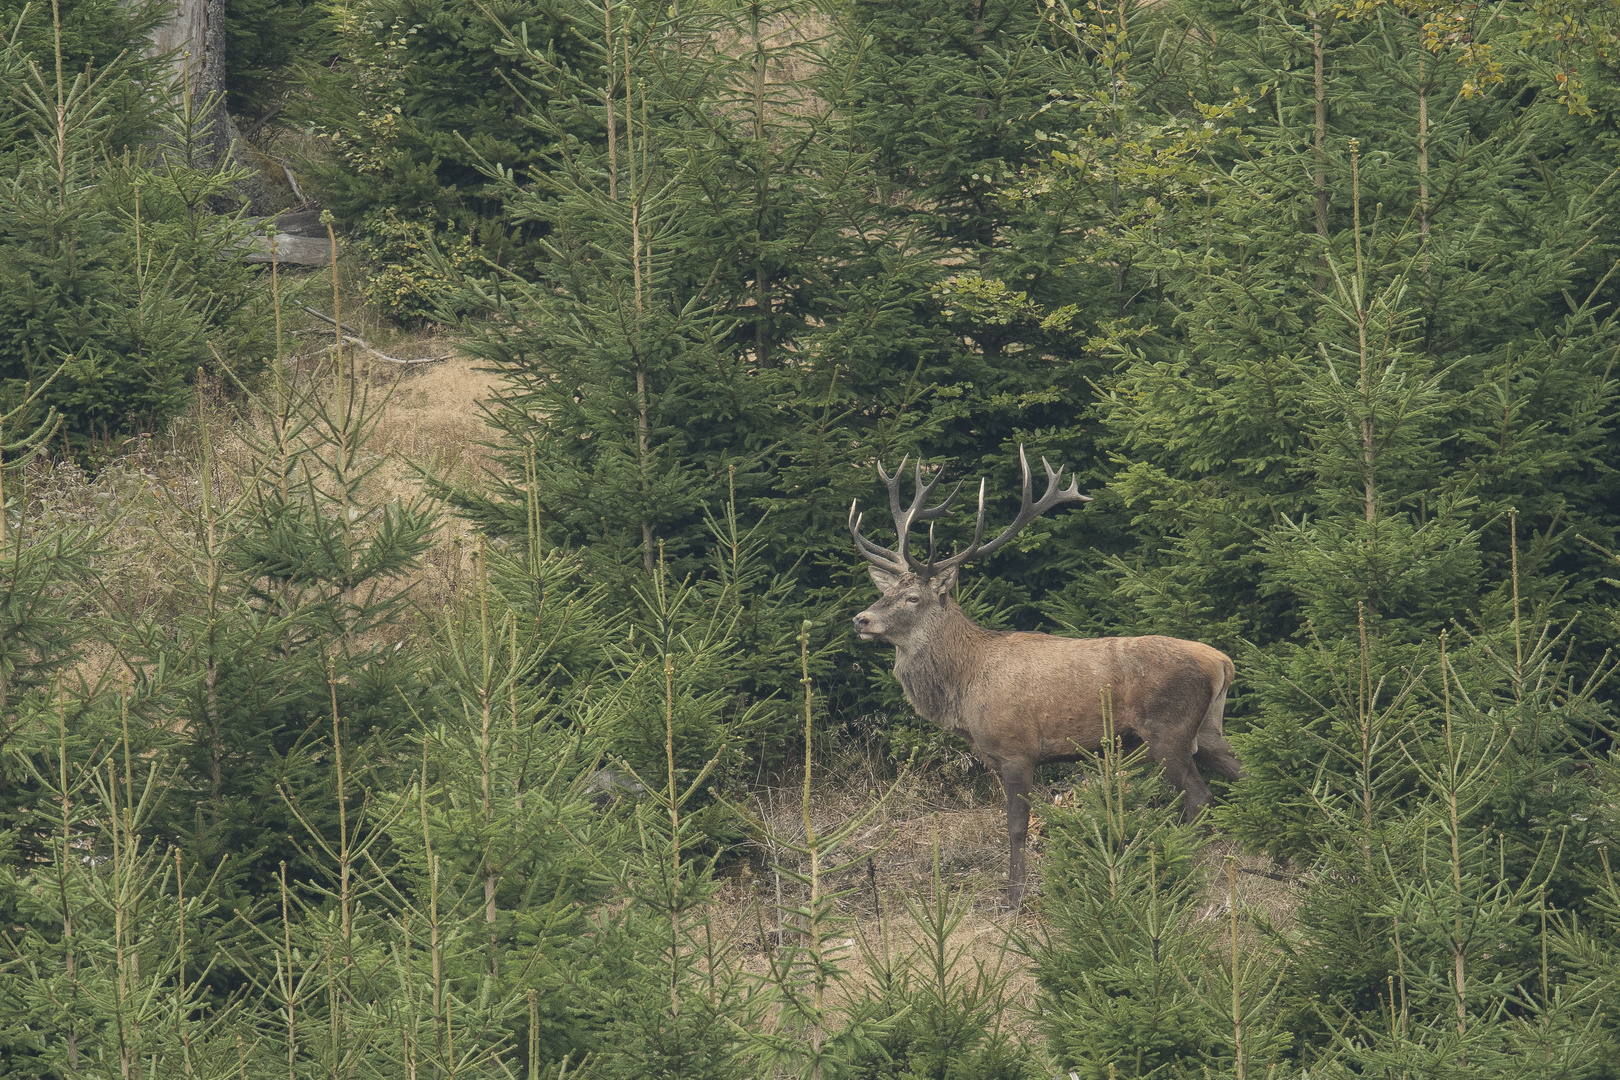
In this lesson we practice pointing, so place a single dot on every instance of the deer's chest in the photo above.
(933, 692)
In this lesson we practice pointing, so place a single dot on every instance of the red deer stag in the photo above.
(1024, 699)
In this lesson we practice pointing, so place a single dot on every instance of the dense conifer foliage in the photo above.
(1318, 300)
(114, 270)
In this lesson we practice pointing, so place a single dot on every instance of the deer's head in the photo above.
(917, 594)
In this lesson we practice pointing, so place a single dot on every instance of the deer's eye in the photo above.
(913, 598)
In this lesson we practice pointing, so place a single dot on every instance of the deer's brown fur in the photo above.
(1022, 700)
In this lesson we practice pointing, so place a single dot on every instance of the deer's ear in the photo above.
(943, 581)
(882, 578)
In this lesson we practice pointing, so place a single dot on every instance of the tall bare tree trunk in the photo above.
(195, 41)
(763, 306)
(1319, 140)
(1423, 88)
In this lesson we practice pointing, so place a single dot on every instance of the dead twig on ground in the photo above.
(352, 337)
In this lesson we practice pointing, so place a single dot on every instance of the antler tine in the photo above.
(978, 525)
(939, 509)
(899, 558)
(1068, 494)
(924, 492)
(978, 528)
(893, 484)
(876, 554)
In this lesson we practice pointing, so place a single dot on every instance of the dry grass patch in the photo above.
(432, 423)
(1263, 887)
(147, 498)
(434, 418)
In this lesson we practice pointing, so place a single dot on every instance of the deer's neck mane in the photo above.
(934, 670)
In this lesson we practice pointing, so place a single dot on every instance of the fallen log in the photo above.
(299, 239)
(288, 250)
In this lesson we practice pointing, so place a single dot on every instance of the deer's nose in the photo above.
(862, 621)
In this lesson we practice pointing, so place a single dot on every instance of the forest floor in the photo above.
(430, 422)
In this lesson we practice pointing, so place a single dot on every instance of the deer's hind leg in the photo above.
(1217, 756)
(1177, 758)
(1173, 745)
(1214, 752)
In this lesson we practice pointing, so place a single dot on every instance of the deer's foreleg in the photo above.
(1018, 780)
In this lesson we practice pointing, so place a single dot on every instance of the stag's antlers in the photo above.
(899, 559)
